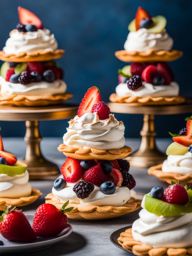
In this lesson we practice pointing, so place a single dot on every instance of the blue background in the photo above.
(90, 31)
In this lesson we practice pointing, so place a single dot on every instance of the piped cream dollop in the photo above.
(89, 131)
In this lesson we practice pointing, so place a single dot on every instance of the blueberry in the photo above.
(87, 164)
(108, 187)
(124, 165)
(158, 80)
(190, 149)
(13, 64)
(59, 184)
(106, 166)
(2, 160)
(30, 28)
(14, 78)
(35, 76)
(157, 192)
(49, 76)
(1, 243)
(146, 23)
(183, 131)
(21, 28)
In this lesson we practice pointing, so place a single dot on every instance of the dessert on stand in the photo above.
(164, 224)
(29, 75)
(178, 165)
(15, 189)
(94, 177)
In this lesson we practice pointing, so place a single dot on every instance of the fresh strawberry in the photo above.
(35, 67)
(1, 143)
(15, 227)
(176, 194)
(141, 14)
(58, 72)
(137, 68)
(9, 73)
(149, 73)
(101, 109)
(72, 170)
(189, 127)
(96, 175)
(115, 164)
(28, 17)
(117, 177)
(10, 158)
(166, 72)
(91, 97)
(49, 221)
(183, 140)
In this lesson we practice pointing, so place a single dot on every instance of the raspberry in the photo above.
(83, 189)
(128, 180)
(101, 109)
(24, 78)
(9, 73)
(176, 194)
(134, 82)
(137, 68)
(36, 67)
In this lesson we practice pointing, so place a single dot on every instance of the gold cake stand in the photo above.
(148, 154)
(38, 166)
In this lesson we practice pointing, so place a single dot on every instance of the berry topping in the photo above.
(14, 78)
(91, 97)
(183, 140)
(149, 73)
(158, 80)
(58, 72)
(2, 160)
(115, 164)
(25, 77)
(117, 177)
(83, 189)
(35, 77)
(49, 221)
(106, 166)
(71, 170)
(134, 82)
(137, 68)
(101, 109)
(128, 180)
(95, 175)
(176, 194)
(108, 187)
(190, 149)
(146, 23)
(183, 131)
(30, 28)
(189, 127)
(157, 192)
(49, 76)
(124, 165)
(28, 17)
(1, 143)
(86, 164)
(15, 227)
(21, 27)
(10, 158)
(59, 184)
(36, 67)
(165, 72)
(9, 73)
(141, 15)
(13, 64)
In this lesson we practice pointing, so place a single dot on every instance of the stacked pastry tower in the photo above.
(94, 178)
(148, 80)
(29, 75)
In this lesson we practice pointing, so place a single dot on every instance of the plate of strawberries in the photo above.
(21, 232)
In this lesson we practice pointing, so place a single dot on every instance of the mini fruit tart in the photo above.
(164, 227)
(94, 177)
(148, 40)
(178, 165)
(15, 189)
(29, 75)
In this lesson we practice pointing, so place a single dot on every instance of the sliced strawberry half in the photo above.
(1, 144)
(149, 73)
(166, 72)
(141, 14)
(10, 158)
(35, 67)
(115, 164)
(117, 177)
(9, 73)
(91, 97)
(71, 170)
(189, 127)
(183, 140)
(28, 17)
(96, 175)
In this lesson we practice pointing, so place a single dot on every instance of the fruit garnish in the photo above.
(12, 170)
(9, 73)
(128, 180)
(96, 175)
(166, 72)
(134, 82)
(15, 227)
(86, 164)
(183, 131)
(189, 127)
(137, 68)
(115, 164)
(19, 68)
(125, 71)
(157, 192)
(59, 184)
(91, 97)
(83, 189)
(5, 66)
(117, 177)
(35, 66)
(141, 15)
(49, 221)
(1, 143)
(149, 73)
(176, 149)
(101, 109)
(71, 170)
(25, 78)
(108, 187)
(10, 158)
(28, 17)
(176, 194)
(183, 140)
(58, 72)
(107, 166)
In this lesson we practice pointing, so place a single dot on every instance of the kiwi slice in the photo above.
(4, 68)
(125, 71)
(12, 170)
(176, 149)
(20, 68)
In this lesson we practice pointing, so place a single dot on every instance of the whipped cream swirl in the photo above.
(178, 163)
(149, 90)
(32, 89)
(16, 186)
(22, 42)
(159, 231)
(89, 131)
(142, 40)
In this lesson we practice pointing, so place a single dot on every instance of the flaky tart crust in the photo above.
(148, 56)
(29, 100)
(137, 248)
(92, 212)
(169, 177)
(21, 201)
(147, 100)
(43, 55)
(86, 153)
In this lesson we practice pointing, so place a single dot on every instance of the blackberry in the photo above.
(128, 180)
(124, 165)
(134, 82)
(24, 78)
(83, 189)
(21, 28)
(183, 131)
